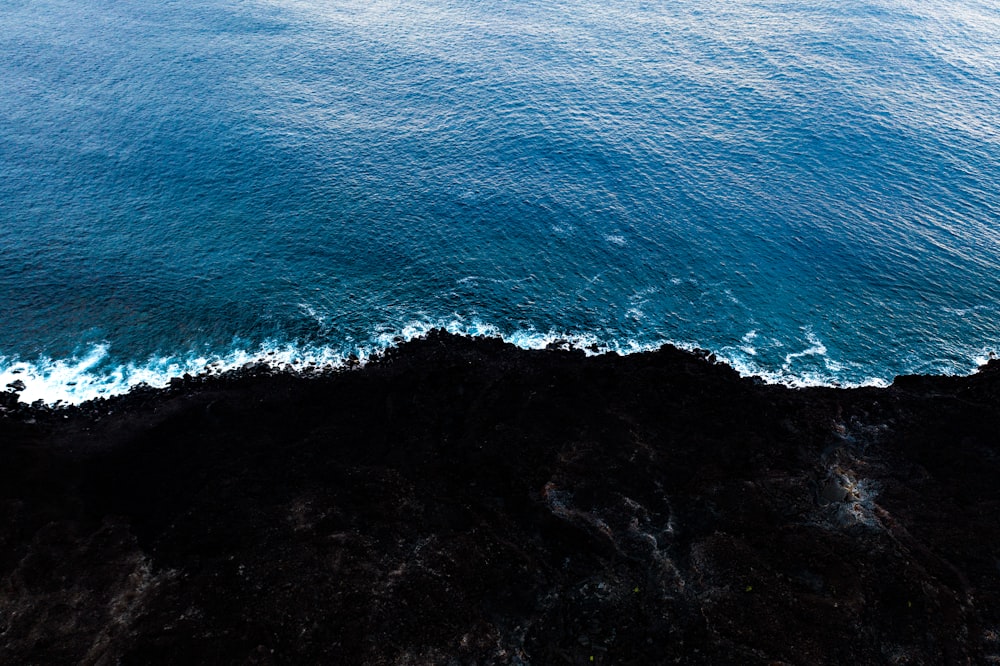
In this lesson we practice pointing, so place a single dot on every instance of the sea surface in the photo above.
(809, 189)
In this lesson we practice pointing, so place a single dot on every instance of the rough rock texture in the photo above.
(465, 502)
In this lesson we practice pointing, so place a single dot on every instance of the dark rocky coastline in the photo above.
(462, 501)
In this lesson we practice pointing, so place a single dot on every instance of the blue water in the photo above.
(809, 189)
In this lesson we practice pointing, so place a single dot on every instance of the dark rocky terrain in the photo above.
(465, 502)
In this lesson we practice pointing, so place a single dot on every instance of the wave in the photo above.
(95, 373)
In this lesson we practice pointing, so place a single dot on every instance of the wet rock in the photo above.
(833, 491)
(8, 400)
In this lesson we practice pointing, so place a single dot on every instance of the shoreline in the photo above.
(461, 499)
(80, 379)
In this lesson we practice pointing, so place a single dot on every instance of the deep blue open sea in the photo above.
(809, 189)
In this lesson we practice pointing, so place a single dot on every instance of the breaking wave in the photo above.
(97, 374)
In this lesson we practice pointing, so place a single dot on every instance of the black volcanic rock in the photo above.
(463, 501)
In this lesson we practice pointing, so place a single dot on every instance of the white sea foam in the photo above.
(747, 346)
(809, 367)
(524, 338)
(94, 375)
(60, 380)
(79, 379)
(985, 357)
(816, 348)
(747, 367)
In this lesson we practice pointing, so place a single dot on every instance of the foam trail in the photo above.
(77, 380)
(55, 381)
(93, 375)
(747, 367)
(809, 367)
(816, 348)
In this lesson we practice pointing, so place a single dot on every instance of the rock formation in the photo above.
(462, 501)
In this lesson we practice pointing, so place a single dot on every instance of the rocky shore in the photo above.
(462, 501)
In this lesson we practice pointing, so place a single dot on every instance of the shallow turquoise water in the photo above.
(810, 190)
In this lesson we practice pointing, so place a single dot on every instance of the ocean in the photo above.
(810, 190)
